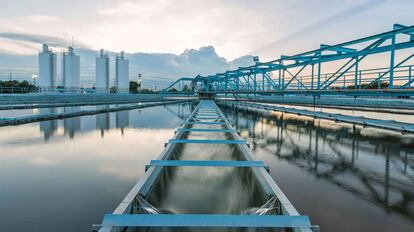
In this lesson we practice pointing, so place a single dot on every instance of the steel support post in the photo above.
(392, 60)
(280, 78)
(319, 74)
(356, 73)
(312, 76)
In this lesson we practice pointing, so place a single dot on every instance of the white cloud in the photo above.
(41, 18)
(233, 27)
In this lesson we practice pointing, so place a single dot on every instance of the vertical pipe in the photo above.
(392, 59)
(319, 75)
(280, 76)
(409, 76)
(312, 76)
(254, 84)
(356, 73)
(379, 81)
(263, 83)
(248, 82)
(226, 81)
(344, 82)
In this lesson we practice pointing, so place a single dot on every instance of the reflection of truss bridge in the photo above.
(179, 111)
(325, 157)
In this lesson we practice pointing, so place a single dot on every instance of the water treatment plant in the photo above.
(318, 140)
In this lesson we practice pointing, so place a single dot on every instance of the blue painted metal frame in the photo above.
(207, 118)
(208, 141)
(207, 123)
(255, 79)
(205, 130)
(206, 163)
(206, 220)
(122, 217)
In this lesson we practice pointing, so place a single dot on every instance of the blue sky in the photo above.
(235, 28)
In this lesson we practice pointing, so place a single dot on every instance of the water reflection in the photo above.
(72, 180)
(122, 120)
(48, 128)
(102, 120)
(107, 121)
(72, 125)
(373, 165)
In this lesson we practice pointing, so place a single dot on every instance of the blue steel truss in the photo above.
(287, 74)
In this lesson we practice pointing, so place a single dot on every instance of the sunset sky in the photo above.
(235, 28)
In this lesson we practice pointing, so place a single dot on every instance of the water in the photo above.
(65, 175)
(67, 109)
(345, 178)
(406, 116)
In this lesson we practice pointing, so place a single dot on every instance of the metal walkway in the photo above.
(125, 215)
(377, 123)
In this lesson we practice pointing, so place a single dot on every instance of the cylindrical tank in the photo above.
(122, 74)
(71, 71)
(47, 69)
(102, 73)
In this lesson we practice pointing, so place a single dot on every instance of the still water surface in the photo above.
(64, 175)
(345, 178)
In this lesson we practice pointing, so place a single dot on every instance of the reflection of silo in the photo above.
(122, 74)
(47, 127)
(71, 125)
(102, 73)
(71, 71)
(47, 69)
(122, 120)
(102, 120)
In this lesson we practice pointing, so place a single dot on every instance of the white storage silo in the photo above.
(122, 74)
(47, 69)
(71, 71)
(102, 73)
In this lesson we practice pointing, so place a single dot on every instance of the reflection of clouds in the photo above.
(116, 155)
(9, 135)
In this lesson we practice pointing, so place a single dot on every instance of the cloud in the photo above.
(41, 18)
(53, 41)
(346, 14)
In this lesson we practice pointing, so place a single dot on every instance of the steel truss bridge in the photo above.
(332, 69)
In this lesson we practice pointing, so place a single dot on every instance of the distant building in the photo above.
(122, 74)
(71, 71)
(47, 69)
(102, 73)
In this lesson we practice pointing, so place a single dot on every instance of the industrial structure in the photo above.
(303, 73)
(341, 69)
(335, 76)
(71, 71)
(122, 74)
(102, 73)
(47, 69)
(265, 205)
